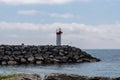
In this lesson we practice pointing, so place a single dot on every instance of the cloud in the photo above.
(35, 1)
(13, 36)
(53, 15)
(20, 26)
(40, 1)
(28, 12)
(76, 34)
(65, 15)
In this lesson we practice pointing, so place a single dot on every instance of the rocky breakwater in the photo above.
(48, 54)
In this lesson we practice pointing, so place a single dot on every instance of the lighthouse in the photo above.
(58, 37)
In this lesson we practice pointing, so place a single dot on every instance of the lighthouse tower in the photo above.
(58, 37)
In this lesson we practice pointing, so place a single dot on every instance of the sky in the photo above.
(87, 24)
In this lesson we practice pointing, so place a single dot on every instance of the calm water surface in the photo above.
(108, 67)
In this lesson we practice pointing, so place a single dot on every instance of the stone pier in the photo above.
(43, 54)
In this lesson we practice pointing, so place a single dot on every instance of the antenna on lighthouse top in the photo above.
(58, 37)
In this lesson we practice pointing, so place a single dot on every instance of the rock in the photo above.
(8, 52)
(79, 61)
(12, 62)
(34, 52)
(23, 60)
(56, 60)
(16, 58)
(49, 53)
(39, 58)
(11, 58)
(51, 56)
(16, 52)
(94, 60)
(76, 57)
(23, 52)
(58, 76)
(61, 54)
(16, 48)
(31, 59)
(86, 60)
(39, 62)
(3, 62)
(25, 77)
(1, 52)
(5, 58)
(55, 50)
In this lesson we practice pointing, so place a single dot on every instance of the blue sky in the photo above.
(85, 23)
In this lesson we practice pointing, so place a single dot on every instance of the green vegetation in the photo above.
(7, 76)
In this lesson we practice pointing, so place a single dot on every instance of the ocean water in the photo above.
(108, 67)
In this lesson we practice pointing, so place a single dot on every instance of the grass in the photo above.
(7, 76)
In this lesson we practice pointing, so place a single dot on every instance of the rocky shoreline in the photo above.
(22, 77)
(46, 54)
(56, 76)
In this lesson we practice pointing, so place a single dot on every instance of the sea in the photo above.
(109, 66)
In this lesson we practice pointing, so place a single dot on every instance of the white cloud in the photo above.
(40, 1)
(53, 15)
(35, 1)
(81, 35)
(14, 26)
(65, 15)
(28, 12)
(13, 36)
(86, 0)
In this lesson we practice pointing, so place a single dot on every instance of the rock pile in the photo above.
(48, 54)
(57, 76)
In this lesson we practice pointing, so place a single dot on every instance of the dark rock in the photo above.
(16, 52)
(11, 58)
(23, 52)
(8, 52)
(16, 58)
(34, 52)
(23, 60)
(31, 59)
(16, 48)
(5, 58)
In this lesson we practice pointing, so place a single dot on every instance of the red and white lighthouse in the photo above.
(58, 36)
